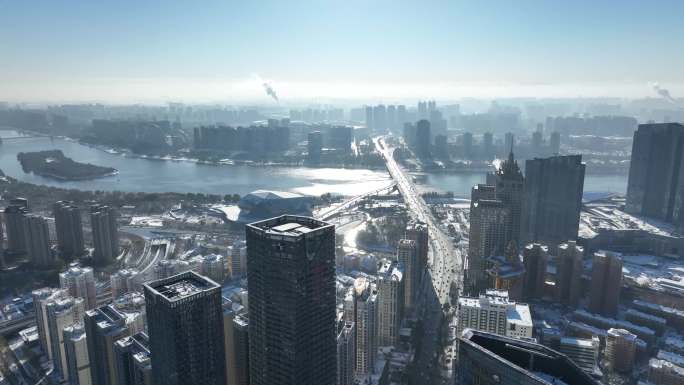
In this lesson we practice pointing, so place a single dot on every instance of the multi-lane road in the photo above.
(444, 258)
(444, 267)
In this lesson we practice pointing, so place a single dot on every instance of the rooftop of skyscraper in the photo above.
(289, 225)
(181, 286)
(106, 317)
(76, 271)
(389, 270)
(533, 360)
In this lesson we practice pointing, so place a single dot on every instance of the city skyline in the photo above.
(379, 192)
(368, 51)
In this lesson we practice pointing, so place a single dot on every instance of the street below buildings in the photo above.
(444, 266)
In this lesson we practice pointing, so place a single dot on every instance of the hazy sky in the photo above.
(145, 50)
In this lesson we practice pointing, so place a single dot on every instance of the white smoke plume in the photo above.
(664, 93)
(270, 91)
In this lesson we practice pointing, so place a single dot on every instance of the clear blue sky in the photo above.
(181, 49)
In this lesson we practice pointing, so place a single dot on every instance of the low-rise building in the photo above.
(496, 314)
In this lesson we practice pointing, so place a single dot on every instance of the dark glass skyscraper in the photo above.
(553, 199)
(185, 325)
(656, 186)
(132, 358)
(291, 282)
(489, 359)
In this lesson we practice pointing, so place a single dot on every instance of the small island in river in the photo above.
(53, 164)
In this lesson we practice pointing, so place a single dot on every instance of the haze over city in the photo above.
(159, 51)
(341, 192)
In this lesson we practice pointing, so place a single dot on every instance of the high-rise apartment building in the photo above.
(133, 361)
(402, 117)
(509, 189)
(238, 260)
(105, 233)
(314, 146)
(553, 199)
(509, 141)
(554, 143)
(80, 282)
(104, 326)
(292, 312)
(69, 227)
(467, 143)
(569, 273)
(620, 350)
(123, 281)
(417, 231)
(368, 110)
(15, 227)
(537, 142)
(423, 135)
(392, 117)
(490, 359)
(41, 297)
(390, 286)
(37, 240)
(656, 187)
(489, 226)
(241, 346)
(366, 294)
(606, 282)
(535, 258)
(169, 267)
(61, 312)
(185, 326)
(346, 353)
(229, 341)
(407, 255)
(76, 351)
(495, 212)
(213, 266)
(380, 118)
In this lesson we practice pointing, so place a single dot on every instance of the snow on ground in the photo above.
(607, 214)
(658, 273)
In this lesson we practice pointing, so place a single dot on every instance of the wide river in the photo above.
(148, 175)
